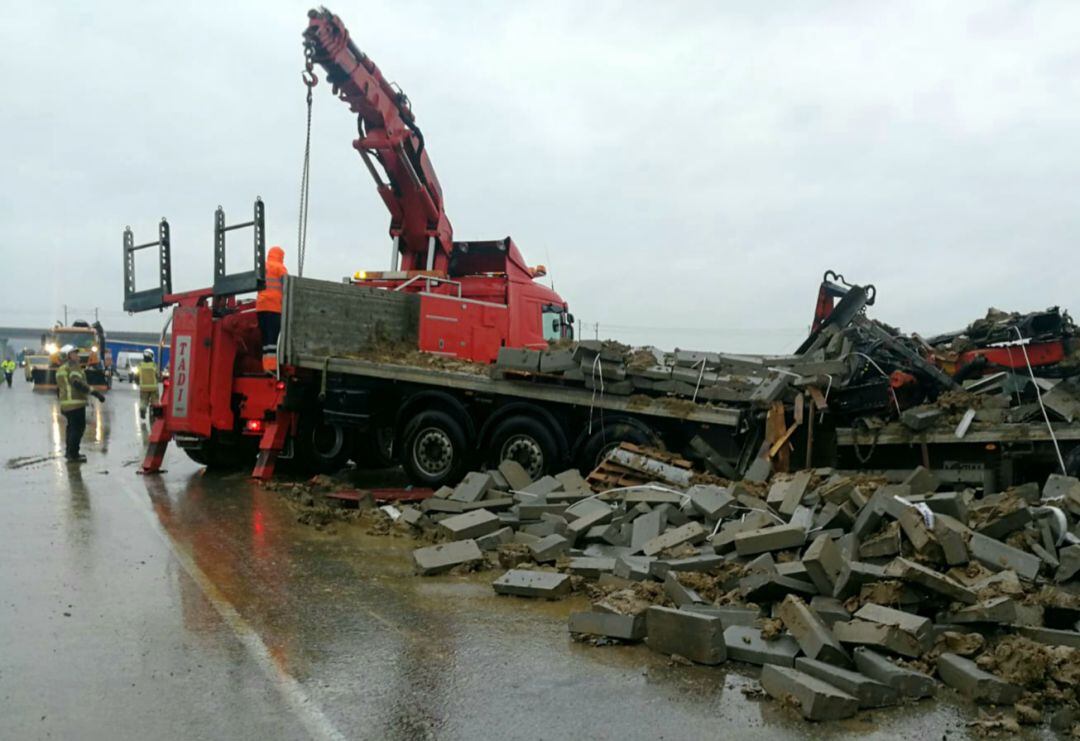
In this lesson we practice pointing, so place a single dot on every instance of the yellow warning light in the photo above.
(360, 275)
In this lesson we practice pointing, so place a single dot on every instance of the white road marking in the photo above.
(306, 710)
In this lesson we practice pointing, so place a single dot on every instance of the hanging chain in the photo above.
(310, 80)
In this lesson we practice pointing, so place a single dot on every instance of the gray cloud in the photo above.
(687, 172)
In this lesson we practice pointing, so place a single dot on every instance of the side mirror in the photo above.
(556, 325)
(569, 318)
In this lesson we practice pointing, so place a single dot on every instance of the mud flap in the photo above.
(272, 443)
(155, 450)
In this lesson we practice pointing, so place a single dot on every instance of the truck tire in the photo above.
(374, 449)
(218, 456)
(322, 447)
(527, 441)
(606, 439)
(434, 450)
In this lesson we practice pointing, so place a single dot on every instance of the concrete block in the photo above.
(472, 488)
(997, 556)
(413, 517)
(525, 538)
(710, 501)
(702, 563)
(1050, 636)
(815, 699)
(830, 610)
(947, 503)
(877, 635)
(916, 625)
(836, 490)
(1001, 527)
(609, 625)
(909, 571)
(1069, 560)
(648, 495)
(794, 493)
(794, 570)
(437, 559)
(813, 636)
(920, 418)
(869, 692)
(691, 532)
(694, 636)
(557, 361)
(470, 524)
(915, 529)
(443, 492)
(854, 575)
(497, 504)
(771, 587)
(518, 359)
(493, 540)
(441, 506)
(1058, 486)
(882, 544)
(969, 680)
(776, 538)
(577, 527)
(533, 510)
(646, 527)
(997, 610)
(540, 529)
(953, 546)
(744, 643)
(824, 564)
(543, 486)
(524, 583)
(591, 566)
(571, 480)
(729, 615)
(922, 481)
(549, 548)
(679, 593)
(908, 682)
(633, 568)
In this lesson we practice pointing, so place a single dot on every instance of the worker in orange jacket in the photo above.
(268, 307)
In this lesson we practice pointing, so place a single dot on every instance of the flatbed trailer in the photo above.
(438, 421)
(991, 455)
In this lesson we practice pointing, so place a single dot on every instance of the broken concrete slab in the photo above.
(830, 610)
(493, 540)
(609, 625)
(711, 501)
(1050, 636)
(581, 525)
(695, 636)
(1069, 564)
(691, 532)
(998, 610)
(542, 486)
(516, 476)
(774, 538)
(869, 692)
(854, 575)
(525, 583)
(729, 615)
(591, 566)
(968, 679)
(770, 586)
(437, 559)
(916, 625)
(810, 632)
(470, 525)
(702, 563)
(815, 699)
(1060, 487)
(633, 568)
(922, 481)
(744, 643)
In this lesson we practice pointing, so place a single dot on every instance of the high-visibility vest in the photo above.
(147, 376)
(8, 366)
(269, 299)
(70, 397)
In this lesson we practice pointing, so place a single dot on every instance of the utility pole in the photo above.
(596, 330)
(65, 315)
(95, 314)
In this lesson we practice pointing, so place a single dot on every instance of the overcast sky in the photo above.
(687, 171)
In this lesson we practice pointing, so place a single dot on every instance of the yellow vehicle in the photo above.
(89, 341)
(32, 361)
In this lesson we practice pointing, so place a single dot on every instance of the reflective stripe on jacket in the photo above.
(269, 299)
(68, 380)
(147, 376)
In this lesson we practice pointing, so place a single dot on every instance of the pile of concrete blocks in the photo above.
(835, 582)
(705, 377)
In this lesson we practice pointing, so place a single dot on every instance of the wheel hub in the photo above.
(433, 452)
(527, 452)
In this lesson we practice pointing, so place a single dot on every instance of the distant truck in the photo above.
(90, 341)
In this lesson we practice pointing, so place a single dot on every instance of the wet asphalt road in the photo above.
(192, 606)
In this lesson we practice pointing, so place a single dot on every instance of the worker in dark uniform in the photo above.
(73, 389)
(268, 307)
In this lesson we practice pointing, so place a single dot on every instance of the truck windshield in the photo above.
(81, 340)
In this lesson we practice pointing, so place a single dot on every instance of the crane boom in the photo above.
(389, 134)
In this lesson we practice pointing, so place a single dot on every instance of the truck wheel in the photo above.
(374, 449)
(606, 439)
(218, 456)
(434, 449)
(527, 441)
(322, 447)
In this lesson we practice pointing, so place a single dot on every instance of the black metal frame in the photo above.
(252, 280)
(150, 298)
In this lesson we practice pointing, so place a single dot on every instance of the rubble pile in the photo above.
(849, 591)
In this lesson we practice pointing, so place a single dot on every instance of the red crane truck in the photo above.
(474, 297)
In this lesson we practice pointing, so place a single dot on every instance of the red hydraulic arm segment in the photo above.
(388, 132)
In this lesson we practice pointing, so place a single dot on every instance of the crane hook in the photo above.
(309, 78)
